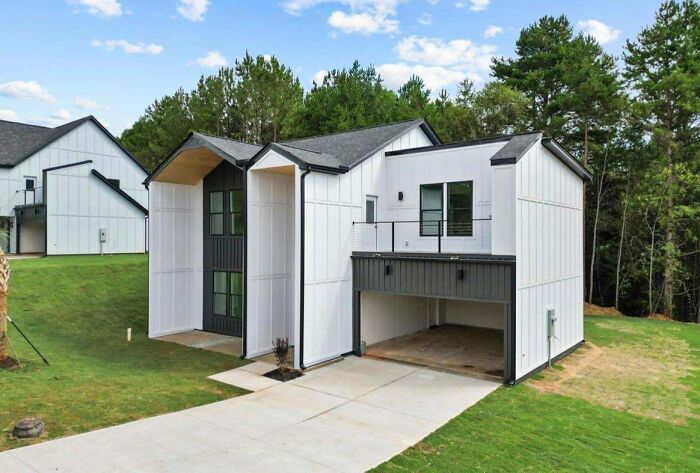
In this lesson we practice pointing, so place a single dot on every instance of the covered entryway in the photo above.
(452, 312)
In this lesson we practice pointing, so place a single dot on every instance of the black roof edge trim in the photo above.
(126, 196)
(513, 160)
(178, 149)
(458, 144)
(565, 157)
(64, 166)
(116, 142)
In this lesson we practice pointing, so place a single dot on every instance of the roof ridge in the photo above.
(304, 149)
(381, 125)
(227, 138)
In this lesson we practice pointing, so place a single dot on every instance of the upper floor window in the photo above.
(237, 211)
(430, 209)
(216, 213)
(459, 208)
(29, 183)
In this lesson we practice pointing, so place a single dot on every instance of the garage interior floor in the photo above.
(458, 348)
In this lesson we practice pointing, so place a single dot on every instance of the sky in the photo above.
(64, 59)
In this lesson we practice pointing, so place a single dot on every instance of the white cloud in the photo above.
(318, 77)
(462, 53)
(426, 19)
(88, 104)
(363, 16)
(26, 90)
(433, 2)
(61, 114)
(212, 60)
(9, 115)
(103, 8)
(599, 30)
(474, 5)
(435, 77)
(192, 10)
(127, 47)
(492, 31)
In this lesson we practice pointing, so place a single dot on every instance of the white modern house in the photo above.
(72, 189)
(379, 241)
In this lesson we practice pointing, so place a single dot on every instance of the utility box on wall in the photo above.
(103, 235)
(551, 323)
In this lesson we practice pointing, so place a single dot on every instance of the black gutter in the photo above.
(244, 334)
(126, 196)
(301, 265)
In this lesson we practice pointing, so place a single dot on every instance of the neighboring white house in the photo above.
(72, 189)
(347, 240)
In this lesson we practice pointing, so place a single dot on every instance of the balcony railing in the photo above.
(30, 196)
(408, 236)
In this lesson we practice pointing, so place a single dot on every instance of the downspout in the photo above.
(301, 266)
(244, 334)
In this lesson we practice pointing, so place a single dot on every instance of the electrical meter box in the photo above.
(103, 235)
(551, 323)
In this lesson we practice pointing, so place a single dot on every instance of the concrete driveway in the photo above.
(348, 416)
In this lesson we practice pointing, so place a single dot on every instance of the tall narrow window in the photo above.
(216, 213)
(237, 295)
(430, 209)
(235, 205)
(371, 209)
(459, 209)
(220, 292)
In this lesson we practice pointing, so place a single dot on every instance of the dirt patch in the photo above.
(658, 317)
(641, 378)
(9, 364)
(592, 309)
(285, 376)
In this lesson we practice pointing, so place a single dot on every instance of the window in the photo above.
(220, 291)
(237, 295)
(216, 213)
(459, 208)
(430, 209)
(114, 182)
(235, 204)
(371, 209)
(29, 183)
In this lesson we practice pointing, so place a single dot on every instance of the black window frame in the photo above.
(221, 213)
(373, 199)
(232, 214)
(453, 229)
(215, 293)
(233, 296)
(28, 179)
(421, 210)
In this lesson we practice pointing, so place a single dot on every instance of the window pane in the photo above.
(220, 282)
(236, 200)
(459, 209)
(216, 224)
(220, 304)
(369, 211)
(216, 202)
(237, 223)
(237, 283)
(430, 221)
(431, 197)
(237, 306)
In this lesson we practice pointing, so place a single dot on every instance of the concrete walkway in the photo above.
(348, 416)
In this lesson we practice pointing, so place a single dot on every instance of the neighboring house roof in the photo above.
(517, 145)
(354, 146)
(19, 141)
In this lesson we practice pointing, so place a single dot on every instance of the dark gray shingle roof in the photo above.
(515, 148)
(238, 150)
(352, 147)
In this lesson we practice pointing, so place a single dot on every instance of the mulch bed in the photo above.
(285, 376)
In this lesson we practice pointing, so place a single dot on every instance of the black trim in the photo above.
(64, 166)
(421, 210)
(544, 365)
(510, 345)
(244, 324)
(126, 196)
(456, 144)
(565, 157)
(302, 189)
(467, 257)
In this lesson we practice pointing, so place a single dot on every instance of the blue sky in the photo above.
(63, 59)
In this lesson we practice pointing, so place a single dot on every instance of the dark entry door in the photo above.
(224, 224)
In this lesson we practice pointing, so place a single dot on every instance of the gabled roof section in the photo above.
(515, 148)
(352, 147)
(19, 141)
(234, 151)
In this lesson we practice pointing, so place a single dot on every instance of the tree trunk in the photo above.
(670, 242)
(4, 278)
(599, 197)
(619, 249)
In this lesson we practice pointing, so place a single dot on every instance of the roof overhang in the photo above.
(191, 161)
(294, 159)
(572, 163)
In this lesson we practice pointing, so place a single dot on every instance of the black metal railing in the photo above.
(413, 235)
(30, 196)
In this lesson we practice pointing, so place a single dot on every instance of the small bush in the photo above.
(280, 347)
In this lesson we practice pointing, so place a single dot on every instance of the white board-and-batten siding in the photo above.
(549, 252)
(175, 262)
(86, 142)
(331, 204)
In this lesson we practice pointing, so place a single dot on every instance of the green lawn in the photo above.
(619, 413)
(76, 311)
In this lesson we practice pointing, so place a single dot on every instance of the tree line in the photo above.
(633, 120)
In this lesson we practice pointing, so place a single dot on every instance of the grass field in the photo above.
(629, 401)
(76, 311)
